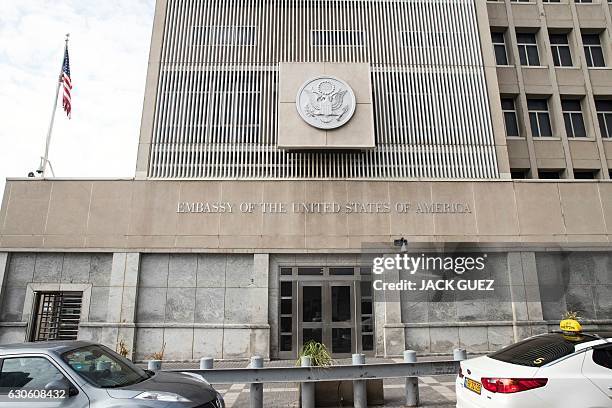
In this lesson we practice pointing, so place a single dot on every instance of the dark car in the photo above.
(84, 374)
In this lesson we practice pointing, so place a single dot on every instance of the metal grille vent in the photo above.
(216, 109)
(57, 316)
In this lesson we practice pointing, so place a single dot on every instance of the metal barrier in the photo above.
(256, 375)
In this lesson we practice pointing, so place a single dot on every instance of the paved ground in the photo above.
(434, 391)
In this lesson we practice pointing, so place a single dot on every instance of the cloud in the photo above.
(109, 47)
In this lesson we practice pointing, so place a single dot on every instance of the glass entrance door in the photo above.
(327, 315)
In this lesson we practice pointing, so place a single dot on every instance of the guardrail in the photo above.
(358, 372)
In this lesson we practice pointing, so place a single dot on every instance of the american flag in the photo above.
(65, 79)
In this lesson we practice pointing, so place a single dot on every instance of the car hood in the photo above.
(184, 385)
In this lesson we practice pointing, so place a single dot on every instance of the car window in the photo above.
(27, 373)
(603, 357)
(103, 367)
(537, 351)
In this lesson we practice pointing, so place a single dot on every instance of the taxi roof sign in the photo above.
(570, 326)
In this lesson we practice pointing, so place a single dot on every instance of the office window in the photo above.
(604, 116)
(593, 51)
(559, 45)
(549, 174)
(528, 49)
(519, 174)
(510, 117)
(539, 117)
(499, 45)
(585, 174)
(573, 118)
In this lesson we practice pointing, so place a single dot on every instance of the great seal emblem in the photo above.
(326, 102)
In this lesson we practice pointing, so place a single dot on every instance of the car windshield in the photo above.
(103, 367)
(539, 350)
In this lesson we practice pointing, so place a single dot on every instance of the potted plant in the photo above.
(335, 393)
(156, 358)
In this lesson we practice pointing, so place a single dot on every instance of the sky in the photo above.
(109, 48)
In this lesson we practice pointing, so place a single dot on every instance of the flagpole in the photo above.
(45, 159)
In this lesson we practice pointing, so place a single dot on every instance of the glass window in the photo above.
(499, 45)
(528, 49)
(27, 373)
(510, 117)
(536, 351)
(562, 56)
(104, 368)
(603, 357)
(604, 116)
(539, 117)
(593, 51)
(573, 118)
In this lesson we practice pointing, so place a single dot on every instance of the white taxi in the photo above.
(566, 369)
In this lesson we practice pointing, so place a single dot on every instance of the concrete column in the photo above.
(4, 261)
(390, 320)
(360, 395)
(123, 296)
(412, 383)
(490, 72)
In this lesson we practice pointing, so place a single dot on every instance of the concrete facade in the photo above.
(208, 283)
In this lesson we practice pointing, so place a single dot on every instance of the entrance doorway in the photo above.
(329, 305)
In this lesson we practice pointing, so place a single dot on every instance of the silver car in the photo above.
(82, 374)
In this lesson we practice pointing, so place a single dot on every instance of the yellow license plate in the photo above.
(473, 386)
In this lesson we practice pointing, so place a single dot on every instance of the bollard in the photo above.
(412, 383)
(459, 354)
(308, 388)
(360, 396)
(206, 363)
(154, 365)
(256, 394)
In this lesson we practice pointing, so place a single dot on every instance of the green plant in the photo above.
(318, 353)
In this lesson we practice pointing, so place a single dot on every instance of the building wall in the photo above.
(211, 107)
(202, 305)
(561, 153)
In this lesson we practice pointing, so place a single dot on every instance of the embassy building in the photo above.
(301, 162)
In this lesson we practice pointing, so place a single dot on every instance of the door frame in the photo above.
(289, 273)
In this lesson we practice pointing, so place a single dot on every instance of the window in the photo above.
(499, 45)
(104, 368)
(519, 174)
(549, 174)
(585, 174)
(559, 45)
(337, 38)
(573, 118)
(57, 316)
(593, 51)
(27, 373)
(536, 351)
(603, 357)
(539, 117)
(528, 49)
(510, 117)
(604, 116)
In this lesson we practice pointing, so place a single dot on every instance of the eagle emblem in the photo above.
(326, 103)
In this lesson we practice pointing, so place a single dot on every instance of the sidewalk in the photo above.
(436, 391)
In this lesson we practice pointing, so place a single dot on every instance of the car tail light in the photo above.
(512, 385)
(460, 373)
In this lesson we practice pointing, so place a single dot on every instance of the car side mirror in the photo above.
(62, 385)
